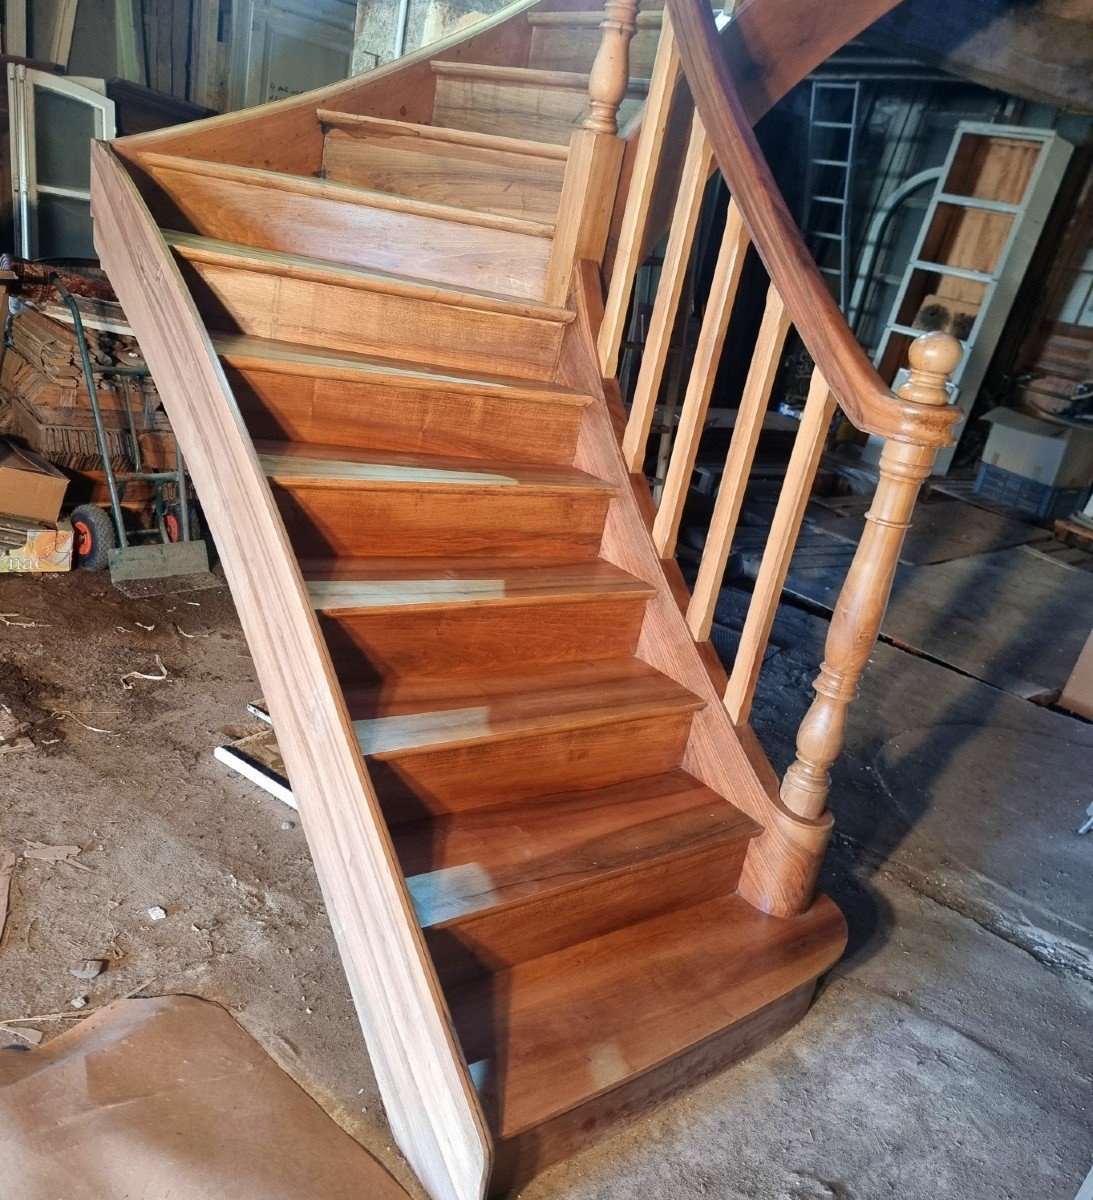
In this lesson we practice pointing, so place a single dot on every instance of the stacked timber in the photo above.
(42, 387)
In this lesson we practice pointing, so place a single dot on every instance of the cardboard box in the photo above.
(29, 486)
(1055, 455)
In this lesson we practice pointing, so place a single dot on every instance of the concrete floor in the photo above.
(947, 1056)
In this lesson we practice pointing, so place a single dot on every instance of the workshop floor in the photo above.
(947, 1056)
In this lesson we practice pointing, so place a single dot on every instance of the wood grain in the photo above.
(584, 1020)
(503, 175)
(789, 512)
(289, 298)
(337, 223)
(433, 1109)
(291, 392)
(662, 320)
(766, 359)
(638, 197)
(782, 863)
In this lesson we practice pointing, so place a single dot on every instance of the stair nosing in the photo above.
(344, 193)
(620, 590)
(212, 251)
(646, 19)
(571, 81)
(679, 701)
(461, 475)
(298, 359)
(744, 831)
(441, 133)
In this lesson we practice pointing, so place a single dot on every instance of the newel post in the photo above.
(595, 156)
(610, 74)
(864, 596)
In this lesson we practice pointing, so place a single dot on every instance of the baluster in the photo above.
(610, 75)
(595, 157)
(677, 255)
(864, 596)
(734, 479)
(658, 106)
(696, 401)
(808, 446)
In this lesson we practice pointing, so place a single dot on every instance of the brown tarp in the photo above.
(168, 1099)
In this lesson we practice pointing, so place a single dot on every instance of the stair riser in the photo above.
(501, 937)
(456, 778)
(521, 1157)
(329, 315)
(473, 638)
(547, 114)
(565, 48)
(515, 185)
(389, 415)
(270, 218)
(396, 521)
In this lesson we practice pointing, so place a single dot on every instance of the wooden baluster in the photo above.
(864, 596)
(610, 75)
(734, 480)
(808, 446)
(595, 157)
(677, 255)
(658, 106)
(696, 401)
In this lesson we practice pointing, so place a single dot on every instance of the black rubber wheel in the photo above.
(93, 537)
(172, 521)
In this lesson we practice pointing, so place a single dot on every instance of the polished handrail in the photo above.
(857, 387)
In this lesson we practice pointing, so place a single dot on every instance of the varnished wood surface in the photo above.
(562, 1028)
(547, 106)
(568, 41)
(436, 635)
(349, 586)
(432, 1108)
(338, 223)
(283, 297)
(502, 181)
(494, 857)
(339, 501)
(812, 308)
(782, 864)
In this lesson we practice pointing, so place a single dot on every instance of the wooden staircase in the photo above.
(561, 880)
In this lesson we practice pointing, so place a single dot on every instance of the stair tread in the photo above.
(407, 714)
(433, 582)
(298, 461)
(653, 18)
(243, 350)
(350, 122)
(195, 248)
(483, 858)
(576, 81)
(347, 193)
(543, 1036)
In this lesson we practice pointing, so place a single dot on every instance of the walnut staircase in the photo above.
(562, 880)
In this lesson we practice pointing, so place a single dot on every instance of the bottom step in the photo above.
(563, 1044)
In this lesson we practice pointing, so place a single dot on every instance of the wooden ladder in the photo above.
(562, 881)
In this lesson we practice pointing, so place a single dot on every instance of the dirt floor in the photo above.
(947, 1056)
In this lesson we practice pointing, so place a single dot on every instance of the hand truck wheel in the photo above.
(93, 537)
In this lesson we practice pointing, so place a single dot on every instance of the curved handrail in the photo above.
(857, 387)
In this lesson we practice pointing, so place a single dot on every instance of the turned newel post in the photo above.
(864, 596)
(610, 74)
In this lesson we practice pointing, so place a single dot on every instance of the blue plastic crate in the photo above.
(1027, 496)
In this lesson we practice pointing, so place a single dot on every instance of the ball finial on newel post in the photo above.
(933, 358)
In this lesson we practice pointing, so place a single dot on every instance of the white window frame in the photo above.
(25, 186)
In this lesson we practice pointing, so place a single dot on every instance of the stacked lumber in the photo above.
(41, 383)
(1059, 371)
